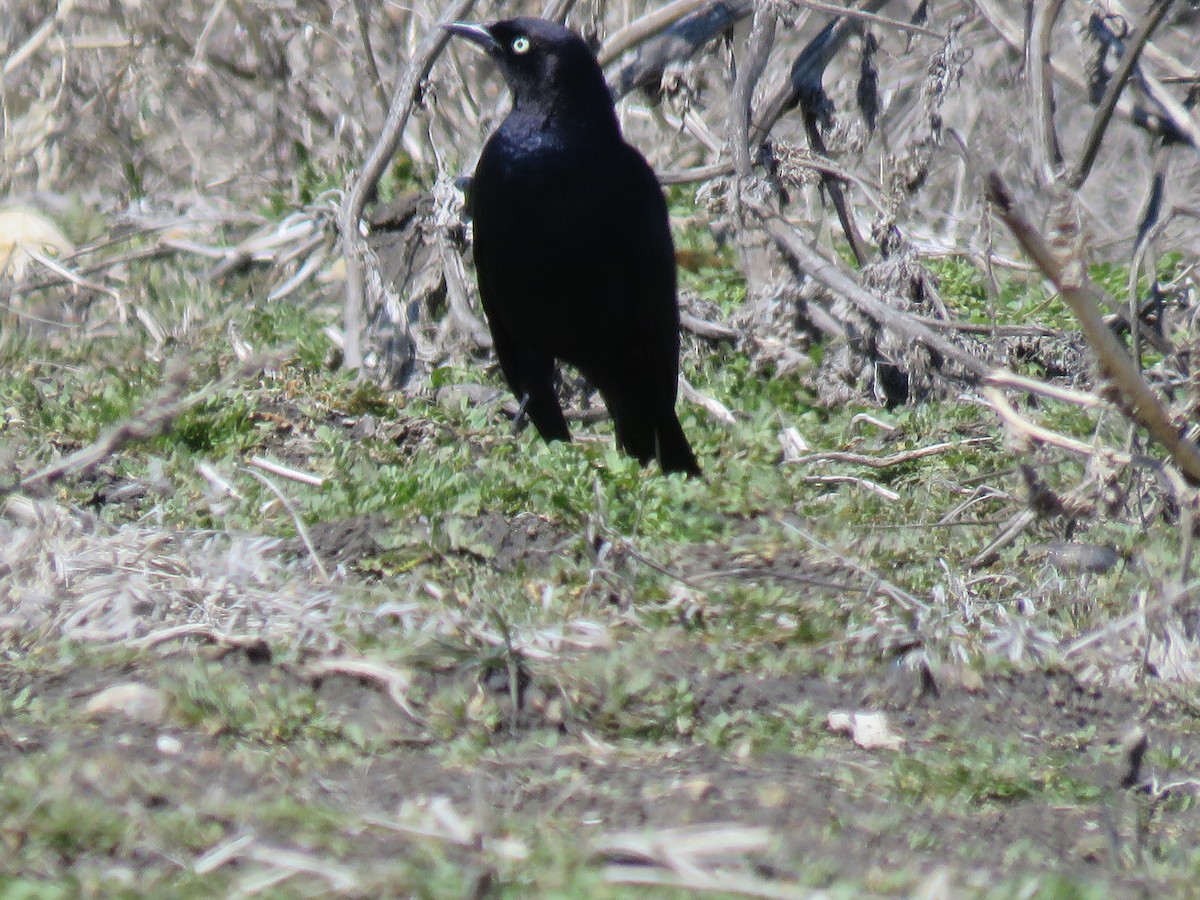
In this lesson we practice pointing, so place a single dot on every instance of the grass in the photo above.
(681, 642)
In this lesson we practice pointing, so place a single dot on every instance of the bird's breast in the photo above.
(545, 197)
(569, 239)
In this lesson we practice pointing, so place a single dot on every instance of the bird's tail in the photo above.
(672, 448)
(650, 431)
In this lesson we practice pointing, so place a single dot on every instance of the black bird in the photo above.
(572, 245)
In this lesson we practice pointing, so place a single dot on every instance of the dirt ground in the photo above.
(833, 811)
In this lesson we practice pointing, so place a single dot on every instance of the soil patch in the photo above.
(1027, 762)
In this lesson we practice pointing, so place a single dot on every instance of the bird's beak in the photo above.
(476, 34)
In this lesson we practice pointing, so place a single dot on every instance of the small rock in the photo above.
(697, 788)
(136, 701)
(169, 745)
(1067, 556)
(870, 730)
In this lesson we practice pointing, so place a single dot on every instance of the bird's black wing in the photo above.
(642, 397)
(506, 250)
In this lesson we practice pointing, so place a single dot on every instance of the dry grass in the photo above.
(68, 576)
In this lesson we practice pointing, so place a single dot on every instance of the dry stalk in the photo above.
(645, 27)
(362, 20)
(1176, 117)
(715, 331)
(894, 459)
(711, 405)
(1041, 388)
(191, 630)
(865, 15)
(696, 884)
(397, 682)
(1023, 428)
(296, 521)
(872, 486)
(1041, 88)
(284, 863)
(35, 41)
(272, 467)
(761, 40)
(1139, 402)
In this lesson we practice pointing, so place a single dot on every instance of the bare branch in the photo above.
(354, 246)
(762, 38)
(864, 15)
(1108, 103)
(830, 275)
(1041, 88)
(646, 27)
(1142, 405)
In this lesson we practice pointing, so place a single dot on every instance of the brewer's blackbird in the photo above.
(573, 247)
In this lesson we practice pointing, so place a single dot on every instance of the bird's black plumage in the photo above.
(572, 245)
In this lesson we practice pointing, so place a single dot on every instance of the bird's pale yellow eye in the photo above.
(520, 45)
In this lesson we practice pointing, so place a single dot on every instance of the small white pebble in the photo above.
(171, 746)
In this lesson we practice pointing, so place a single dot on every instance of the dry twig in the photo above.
(153, 419)
(1108, 103)
(895, 459)
(830, 274)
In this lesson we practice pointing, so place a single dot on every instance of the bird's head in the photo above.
(544, 64)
